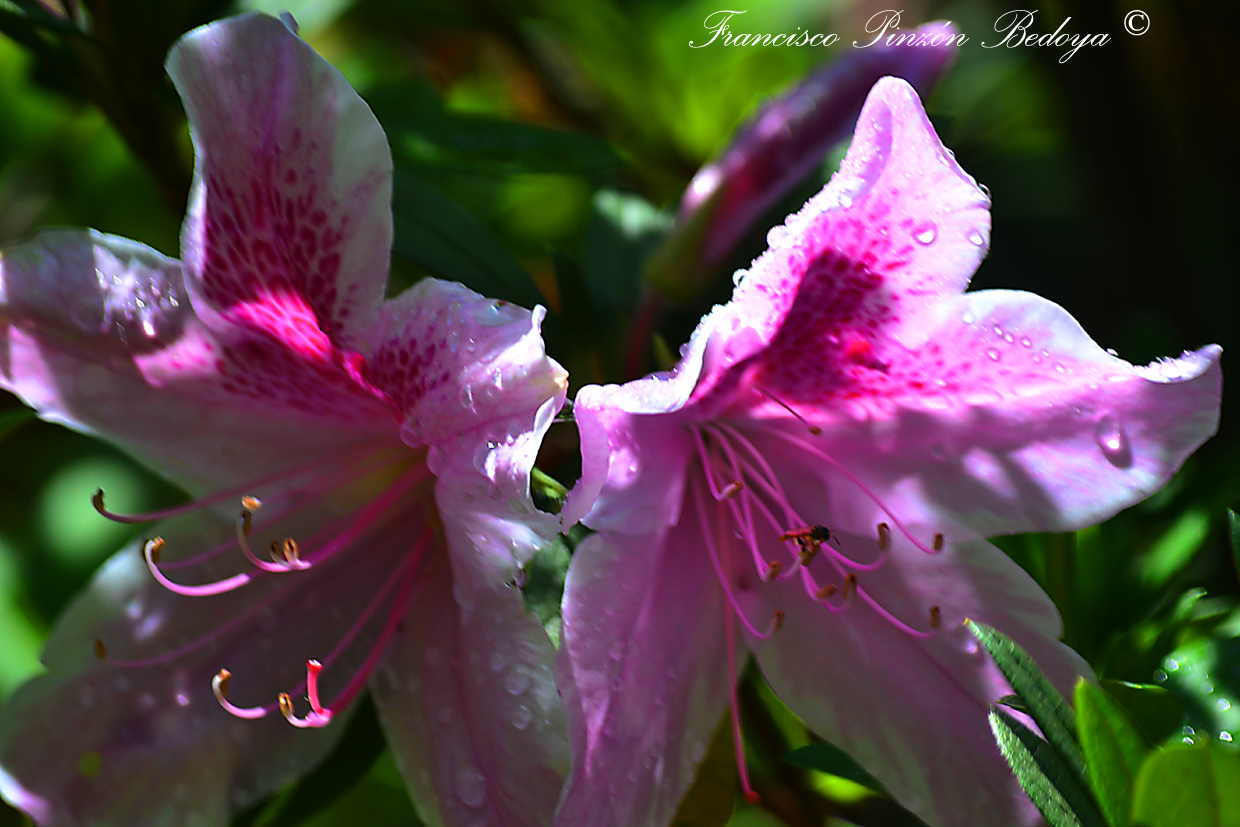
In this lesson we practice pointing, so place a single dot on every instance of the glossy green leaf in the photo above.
(1205, 675)
(1113, 750)
(358, 749)
(1044, 703)
(1185, 786)
(1043, 774)
(444, 238)
(831, 759)
(1157, 713)
(1233, 533)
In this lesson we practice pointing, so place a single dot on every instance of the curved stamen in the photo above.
(150, 552)
(803, 446)
(219, 685)
(231, 493)
(724, 582)
(243, 531)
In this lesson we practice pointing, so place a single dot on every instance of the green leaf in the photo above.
(1046, 706)
(1048, 781)
(832, 760)
(547, 492)
(423, 133)
(441, 236)
(708, 803)
(542, 583)
(359, 748)
(1185, 786)
(1233, 532)
(14, 419)
(1156, 712)
(1113, 750)
(623, 231)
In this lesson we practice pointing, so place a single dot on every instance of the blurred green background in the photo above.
(541, 148)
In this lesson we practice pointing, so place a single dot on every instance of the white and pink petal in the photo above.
(289, 228)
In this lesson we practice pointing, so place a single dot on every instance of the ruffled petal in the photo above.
(96, 334)
(913, 710)
(899, 227)
(452, 360)
(139, 738)
(1010, 418)
(471, 711)
(289, 228)
(643, 674)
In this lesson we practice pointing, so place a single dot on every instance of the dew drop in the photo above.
(998, 331)
(968, 318)
(993, 354)
(1225, 736)
(1009, 338)
(1060, 368)
(516, 681)
(1114, 444)
(1222, 704)
(975, 238)
(470, 786)
(926, 233)
(1025, 341)
(497, 661)
(521, 717)
(1112, 351)
(738, 277)
(776, 235)
(1171, 665)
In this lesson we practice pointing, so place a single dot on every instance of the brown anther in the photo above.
(936, 617)
(826, 591)
(154, 548)
(773, 568)
(251, 503)
(274, 550)
(884, 537)
(101, 651)
(221, 682)
(850, 585)
(289, 550)
(938, 542)
(97, 500)
(247, 520)
(814, 430)
(777, 622)
(286, 705)
(731, 490)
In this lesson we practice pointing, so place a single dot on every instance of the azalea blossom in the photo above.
(814, 483)
(360, 469)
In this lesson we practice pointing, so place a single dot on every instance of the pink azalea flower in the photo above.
(828, 458)
(389, 442)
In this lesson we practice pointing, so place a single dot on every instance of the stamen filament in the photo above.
(219, 685)
(719, 570)
(150, 553)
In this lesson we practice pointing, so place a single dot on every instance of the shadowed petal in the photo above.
(96, 333)
(289, 227)
(912, 711)
(643, 673)
(471, 712)
(145, 741)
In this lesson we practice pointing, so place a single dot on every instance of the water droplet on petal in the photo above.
(1060, 368)
(1025, 341)
(968, 318)
(521, 717)
(1114, 444)
(738, 277)
(975, 238)
(497, 661)
(776, 234)
(926, 233)
(998, 331)
(470, 786)
(516, 681)
(993, 354)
